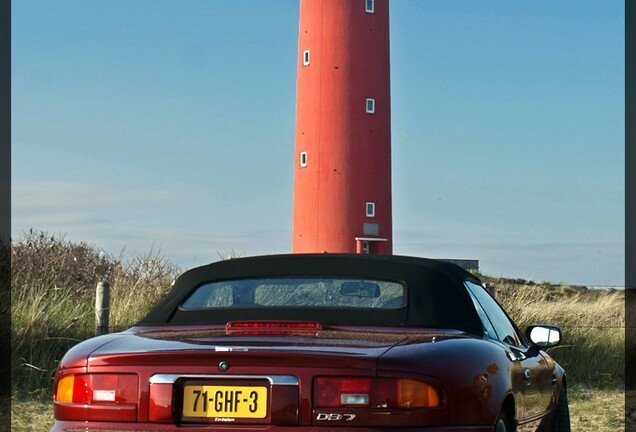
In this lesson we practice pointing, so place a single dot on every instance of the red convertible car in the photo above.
(318, 343)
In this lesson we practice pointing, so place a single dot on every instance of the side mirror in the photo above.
(544, 336)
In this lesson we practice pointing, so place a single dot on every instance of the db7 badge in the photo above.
(335, 417)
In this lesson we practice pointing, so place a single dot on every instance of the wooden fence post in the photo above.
(102, 308)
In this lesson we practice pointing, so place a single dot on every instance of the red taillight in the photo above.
(104, 397)
(160, 403)
(374, 393)
(105, 388)
(287, 328)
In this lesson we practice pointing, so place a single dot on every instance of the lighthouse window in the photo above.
(306, 58)
(370, 209)
(365, 247)
(303, 159)
(370, 106)
(369, 6)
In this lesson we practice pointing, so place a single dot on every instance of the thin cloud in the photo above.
(47, 195)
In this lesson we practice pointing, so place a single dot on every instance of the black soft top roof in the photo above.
(437, 297)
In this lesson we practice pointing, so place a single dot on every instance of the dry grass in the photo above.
(593, 324)
(597, 410)
(53, 295)
(31, 415)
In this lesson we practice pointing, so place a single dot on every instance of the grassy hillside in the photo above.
(53, 285)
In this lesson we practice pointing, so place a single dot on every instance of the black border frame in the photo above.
(5, 215)
(630, 215)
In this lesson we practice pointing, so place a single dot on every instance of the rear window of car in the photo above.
(298, 292)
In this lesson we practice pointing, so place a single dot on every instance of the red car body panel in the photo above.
(474, 376)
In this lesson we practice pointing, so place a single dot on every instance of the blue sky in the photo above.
(168, 125)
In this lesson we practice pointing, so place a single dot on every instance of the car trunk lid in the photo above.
(205, 375)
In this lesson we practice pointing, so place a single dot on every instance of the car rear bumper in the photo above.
(67, 426)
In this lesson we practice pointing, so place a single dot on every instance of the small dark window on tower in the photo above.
(370, 209)
(369, 6)
(365, 247)
(370, 106)
(303, 159)
(306, 58)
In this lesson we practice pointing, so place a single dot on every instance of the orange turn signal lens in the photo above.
(415, 394)
(64, 391)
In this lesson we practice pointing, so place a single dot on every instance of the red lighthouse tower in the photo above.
(342, 178)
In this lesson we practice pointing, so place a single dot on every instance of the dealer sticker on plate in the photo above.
(225, 401)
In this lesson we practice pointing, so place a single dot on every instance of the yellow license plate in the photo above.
(225, 401)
